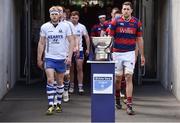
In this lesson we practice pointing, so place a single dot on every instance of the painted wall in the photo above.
(8, 41)
(174, 43)
(169, 42)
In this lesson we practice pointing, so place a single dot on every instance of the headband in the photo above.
(101, 16)
(54, 12)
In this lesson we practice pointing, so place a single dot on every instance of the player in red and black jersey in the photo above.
(127, 31)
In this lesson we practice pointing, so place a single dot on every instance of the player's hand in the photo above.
(87, 52)
(40, 64)
(142, 60)
(77, 54)
(68, 61)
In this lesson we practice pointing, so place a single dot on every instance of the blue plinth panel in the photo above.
(102, 91)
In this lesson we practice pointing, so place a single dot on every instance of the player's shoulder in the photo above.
(95, 26)
(46, 25)
(69, 23)
(135, 19)
(64, 23)
(81, 25)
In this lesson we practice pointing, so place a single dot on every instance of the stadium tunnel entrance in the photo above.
(35, 13)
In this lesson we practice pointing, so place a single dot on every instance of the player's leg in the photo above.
(55, 85)
(60, 70)
(118, 88)
(50, 90)
(59, 91)
(119, 73)
(129, 91)
(71, 83)
(79, 67)
(129, 70)
(66, 85)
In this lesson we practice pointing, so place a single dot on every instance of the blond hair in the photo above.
(53, 8)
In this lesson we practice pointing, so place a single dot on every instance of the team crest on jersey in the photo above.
(60, 31)
(78, 31)
(122, 24)
(131, 24)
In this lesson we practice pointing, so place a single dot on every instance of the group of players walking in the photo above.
(60, 47)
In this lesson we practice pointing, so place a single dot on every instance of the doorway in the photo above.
(36, 13)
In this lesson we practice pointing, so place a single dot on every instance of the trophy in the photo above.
(102, 48)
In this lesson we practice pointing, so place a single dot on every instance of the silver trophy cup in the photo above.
(102, 47)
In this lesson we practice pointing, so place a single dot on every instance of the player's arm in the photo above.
(111, 28)
(136, 52)
(40, 51)
(71, 47)
(87, 39)
(87, 43)
(140, 44)
(77, 43)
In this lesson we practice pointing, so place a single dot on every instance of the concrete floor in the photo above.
(27, 103)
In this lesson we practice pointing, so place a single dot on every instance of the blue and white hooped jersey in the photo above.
(56, 39)
(80, 30)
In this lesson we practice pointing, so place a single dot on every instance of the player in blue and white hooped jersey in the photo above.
(67, 73)
(54, 54)
(80, 31)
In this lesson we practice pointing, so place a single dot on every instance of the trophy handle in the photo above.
(109, 46)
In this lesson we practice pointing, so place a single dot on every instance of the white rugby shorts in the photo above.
(124, 60)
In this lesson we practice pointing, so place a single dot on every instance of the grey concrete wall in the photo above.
(149, 35)
(174, 43)
(168, 45)
(8, 40)
(163, 48)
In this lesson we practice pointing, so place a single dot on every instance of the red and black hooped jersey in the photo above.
(125, 34)
(96, 30)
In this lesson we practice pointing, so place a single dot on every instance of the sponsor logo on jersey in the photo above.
(126, 30)
(55, 36)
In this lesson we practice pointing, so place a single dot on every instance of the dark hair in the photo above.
(117, 12)
(127, 4)
(115, 9)
(73, 13)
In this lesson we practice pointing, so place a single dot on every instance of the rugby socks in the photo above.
(66, 85)
(129, 101)
(50, 90)
(59, 90)
(55, 95)
(72, 85)
(80, 86)
(118, 94)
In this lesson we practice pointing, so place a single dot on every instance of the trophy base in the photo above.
(101, 57)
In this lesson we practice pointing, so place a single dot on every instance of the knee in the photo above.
(128, 77)
(79, 68)
(50, 80)
(66, 77)
(118, 78)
